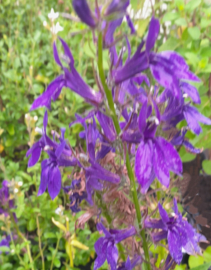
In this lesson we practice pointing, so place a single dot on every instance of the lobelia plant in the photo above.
(130, 134)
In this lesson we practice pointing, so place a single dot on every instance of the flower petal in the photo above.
(192, 117)
(191, 91)
(45, 98)
(44, 177)
(83, 11)
(159, 165)
(163, 213)
(143, 164)
(55, 182)
(154, 29)
(101, 250)
(173, 160)
(175, 248)
(112, 256)
(35, 155)
(142, 123)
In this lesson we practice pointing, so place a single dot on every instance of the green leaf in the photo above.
(181, 22)
(205, 52)
(170, 16)
(206, 164)
(49, 235)
(4, 249)
(57, 262)
(20, 205)
(170, 44)
(24, 175)
(180, 4)
(207, 69)
(180, 267)
(192, 58)
(193, 4)
(194, 261)
(10, 128)
(6, 266)
(31, 225)
(185, 156)
(194, 32)
(207, 254)
(205, 23)
(202, 267)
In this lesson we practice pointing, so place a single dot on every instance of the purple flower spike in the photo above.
(83, 11)
(179, 233)
(105, 247)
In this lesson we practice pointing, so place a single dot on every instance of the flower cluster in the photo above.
(130, 119)
(181, 236)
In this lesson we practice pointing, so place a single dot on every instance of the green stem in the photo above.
(19, 257)
(138, 212)
(105, 86)
(25, 240)
(55, 252)
(40, 244)
(109, 97)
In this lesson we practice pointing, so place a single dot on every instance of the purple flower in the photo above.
(107, 125)
(179, 139)
(177, 110)
(130, 264)
(179, 233)
(117, 7)
(140, 60)
(50, 175)
(193, 117)
(5, 242)
(77, 195)
(168, 68)
(36, 149)
(155, 157)
(70, 79)
(83, 11)
(105, 247)
(5, 202)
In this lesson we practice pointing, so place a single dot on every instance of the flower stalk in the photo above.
(128, 165)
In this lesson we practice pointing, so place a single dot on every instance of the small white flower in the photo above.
(56, 28)
(16, 190)
(185, 95)
(53, 15)
(35, 118)
(20, 183)
(45, 23)
(59, 211)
